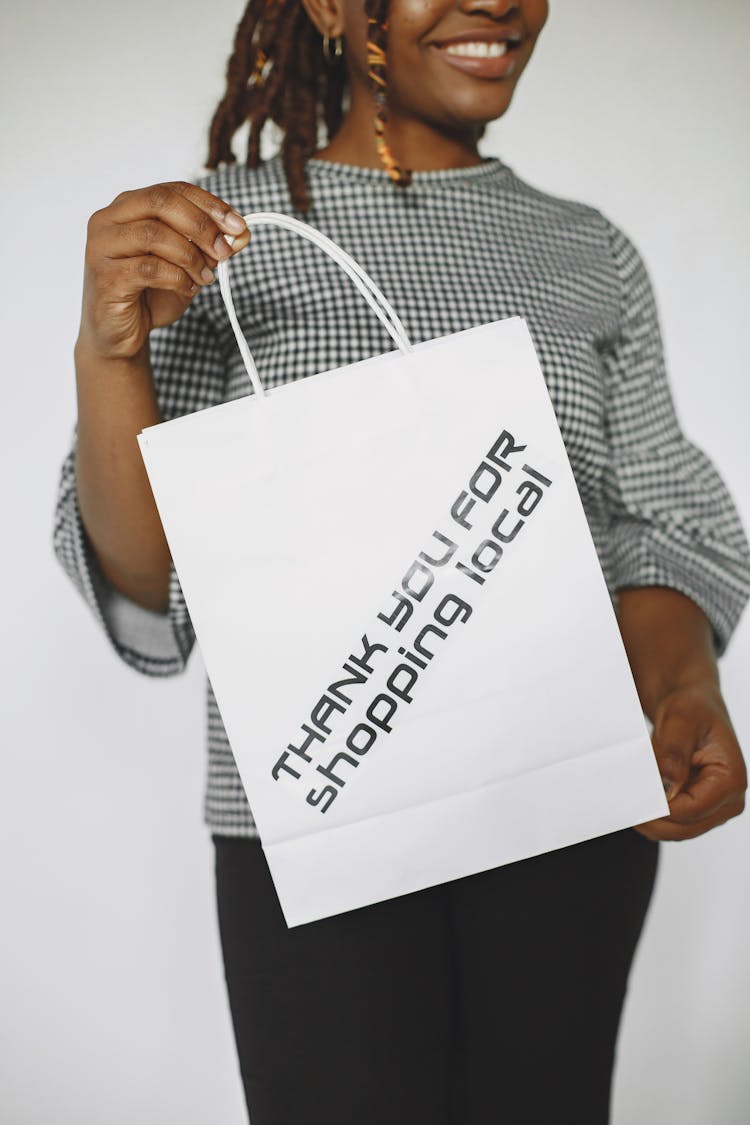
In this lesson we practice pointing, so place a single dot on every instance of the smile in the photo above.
(480, 58)
(476, 50)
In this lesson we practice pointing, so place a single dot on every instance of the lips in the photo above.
(482, 53)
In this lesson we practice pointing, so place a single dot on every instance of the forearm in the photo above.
(116, 399)
(668, 640)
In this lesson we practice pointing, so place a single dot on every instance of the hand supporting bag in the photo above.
(402, 614)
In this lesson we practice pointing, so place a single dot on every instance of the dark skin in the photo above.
(151, 249)
(671, 652)
(435, 115)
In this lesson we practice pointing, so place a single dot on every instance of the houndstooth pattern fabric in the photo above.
(459, 248)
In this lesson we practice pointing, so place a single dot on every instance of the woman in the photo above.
(494, 998)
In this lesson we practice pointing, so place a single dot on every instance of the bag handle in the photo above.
(367, 287)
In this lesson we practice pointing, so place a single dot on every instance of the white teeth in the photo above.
(477, 50)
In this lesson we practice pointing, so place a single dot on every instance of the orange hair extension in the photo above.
(376, 72)
(277, 72)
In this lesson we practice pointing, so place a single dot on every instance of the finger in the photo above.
(664, 829)
(226, 215)
(704, 796)
(674, 738)
(189, 210)
(149, 236)
(236, 243)
(124, 278)
(721, 751)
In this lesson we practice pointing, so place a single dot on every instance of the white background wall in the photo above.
(113, 1005)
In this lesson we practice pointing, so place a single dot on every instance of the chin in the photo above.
(471, 110)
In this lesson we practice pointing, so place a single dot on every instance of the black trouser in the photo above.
(489, 1000)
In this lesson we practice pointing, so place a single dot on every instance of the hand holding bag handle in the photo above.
(367, 287)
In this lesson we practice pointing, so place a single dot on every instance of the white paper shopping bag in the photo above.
(402, 614)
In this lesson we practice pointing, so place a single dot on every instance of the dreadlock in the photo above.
(278, 71)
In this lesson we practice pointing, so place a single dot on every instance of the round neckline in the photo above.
(486, 166)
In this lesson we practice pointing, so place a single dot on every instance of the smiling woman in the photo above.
(446, 1005)
(433, 72)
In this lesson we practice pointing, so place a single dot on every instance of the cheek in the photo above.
(420, 82)
(409, 22)
(534, 14)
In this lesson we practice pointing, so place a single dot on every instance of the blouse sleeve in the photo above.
(189, 373)
(673, 520)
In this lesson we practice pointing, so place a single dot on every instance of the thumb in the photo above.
(673, 742)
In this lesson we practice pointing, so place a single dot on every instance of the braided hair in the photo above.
(278, 71)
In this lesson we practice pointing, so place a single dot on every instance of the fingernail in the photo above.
(234, 222)
(240, 241)
(222, 247)
(207, 275)
(669, 787)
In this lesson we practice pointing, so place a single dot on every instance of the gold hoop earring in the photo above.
(338, 49)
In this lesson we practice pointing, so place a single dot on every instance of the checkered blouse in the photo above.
(460, 247)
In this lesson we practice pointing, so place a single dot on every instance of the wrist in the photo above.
(699, 678)
(101, 374)
(693, 685)
(89, 351)
(669, 643)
